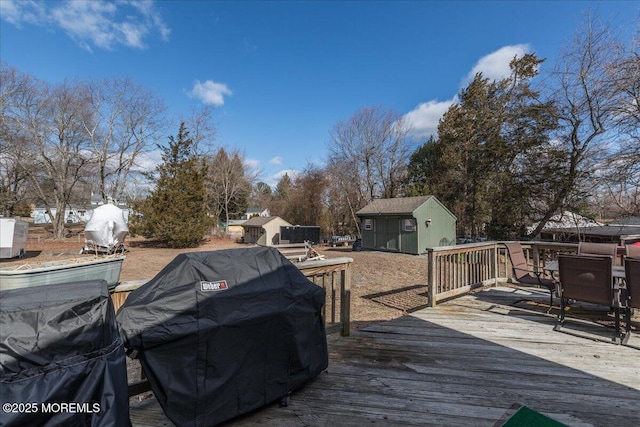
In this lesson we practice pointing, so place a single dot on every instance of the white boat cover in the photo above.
(106, 230)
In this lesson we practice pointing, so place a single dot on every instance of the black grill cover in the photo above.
(222, 333)
(59, 345)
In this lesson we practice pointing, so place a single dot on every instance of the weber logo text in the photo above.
(220, 285)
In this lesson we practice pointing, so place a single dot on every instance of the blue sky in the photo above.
(282, 74)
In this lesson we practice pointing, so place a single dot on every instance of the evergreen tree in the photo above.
(283, 187)
(526, 164)
(175, 213)
(466, 134)
(281, 195)
(493, 156)
(260, 195)
(423, 165)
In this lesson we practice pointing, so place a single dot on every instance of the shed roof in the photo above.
(400, 205)
(567, 220)
(598, 231)
(258, 221)
(629, 221)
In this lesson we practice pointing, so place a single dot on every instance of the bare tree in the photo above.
(344, 198)
(127, 119)
(307, 198)
(374, 145)
(229, 184)
(391, 163)
(13, 178)
(14, 184)
(623, 180)
(51, 121)
(203, 130)
(583, 95)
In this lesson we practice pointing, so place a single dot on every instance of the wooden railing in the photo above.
(333, 275)
(455, 270)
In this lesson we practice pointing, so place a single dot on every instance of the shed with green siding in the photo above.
(406, 224)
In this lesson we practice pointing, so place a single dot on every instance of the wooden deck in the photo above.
(465, 362)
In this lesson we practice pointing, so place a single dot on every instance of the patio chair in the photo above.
(524, 275)
(631, 295)
(632, 251)
(587, 279)
(606, 249)
(599, 249)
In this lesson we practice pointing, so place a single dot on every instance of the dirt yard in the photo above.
(384, 285)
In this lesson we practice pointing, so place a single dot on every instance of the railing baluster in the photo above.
(454, 270)
(333, 297)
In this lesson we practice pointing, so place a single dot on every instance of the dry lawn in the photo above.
(384, 285)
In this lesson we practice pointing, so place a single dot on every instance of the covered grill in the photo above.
(222, 333)
(62, 361)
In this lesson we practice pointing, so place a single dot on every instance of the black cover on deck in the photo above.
(62, 362)
(222, 333)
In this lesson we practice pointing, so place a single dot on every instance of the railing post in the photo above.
(431, 282)
(495, 264)
(536, 257)
(345, 300)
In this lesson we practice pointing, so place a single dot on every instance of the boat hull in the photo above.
(65, 271)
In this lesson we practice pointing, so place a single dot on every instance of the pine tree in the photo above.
(175, 213)
(493, 156)
(283, 187)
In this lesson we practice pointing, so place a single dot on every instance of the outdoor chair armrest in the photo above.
(538, 274)
(526, 270)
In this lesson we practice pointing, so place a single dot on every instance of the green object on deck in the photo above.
(526, 417)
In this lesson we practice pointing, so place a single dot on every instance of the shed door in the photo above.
(387, 233)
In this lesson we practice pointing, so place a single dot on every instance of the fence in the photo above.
(455, 270)
(333, 275)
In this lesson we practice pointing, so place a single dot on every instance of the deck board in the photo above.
(462, 363)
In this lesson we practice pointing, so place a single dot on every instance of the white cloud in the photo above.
(276, 161)
(25, 11)
(495, 66)
(272, 180)
(252, 164)
(148, 161)
(210, 93)
(147, 9)
(425, 117)
(87, 23)
(102, 24)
